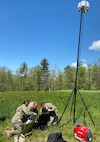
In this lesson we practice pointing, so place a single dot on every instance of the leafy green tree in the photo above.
(6, 79)
(82, 78)
(40, 78)
(3, 79)
(52, 80)
(89, 75)
(96, 77)
(36, 77)
(9, 80)
(16, 85)
(60, 81)
(23, 69)
(45, 73)
(69, 75)
(22, 76)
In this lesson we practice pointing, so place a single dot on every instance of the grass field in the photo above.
(9, 101)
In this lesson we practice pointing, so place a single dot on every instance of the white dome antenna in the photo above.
(83, 6)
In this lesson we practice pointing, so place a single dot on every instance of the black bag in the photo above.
(55, 137)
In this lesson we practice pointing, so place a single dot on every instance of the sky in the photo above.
(31, 30)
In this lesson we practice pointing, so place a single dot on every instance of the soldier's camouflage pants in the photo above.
(17, 128)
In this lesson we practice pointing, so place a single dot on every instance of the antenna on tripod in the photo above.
(83, 7)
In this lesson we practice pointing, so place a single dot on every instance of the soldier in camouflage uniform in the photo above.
(19, 118)
(52, 109)
(33, 107)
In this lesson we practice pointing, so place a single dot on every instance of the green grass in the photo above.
(9, 101)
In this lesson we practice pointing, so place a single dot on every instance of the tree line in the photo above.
(41, 78)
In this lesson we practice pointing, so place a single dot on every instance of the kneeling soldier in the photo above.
(52, 109)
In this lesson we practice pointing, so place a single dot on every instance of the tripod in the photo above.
(83, 7)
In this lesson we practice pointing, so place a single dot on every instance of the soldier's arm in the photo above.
(27, 111)
(51, 107)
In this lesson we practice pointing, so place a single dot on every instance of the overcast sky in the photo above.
(31, 30)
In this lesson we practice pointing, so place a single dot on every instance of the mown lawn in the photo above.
(9, 101)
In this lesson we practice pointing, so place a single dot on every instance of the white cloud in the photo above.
(74, 65)
(83, 60)
(95, 45)
(85, 65)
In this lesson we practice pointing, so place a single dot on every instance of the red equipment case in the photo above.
(82, 133)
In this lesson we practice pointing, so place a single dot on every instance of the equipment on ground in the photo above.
(28, 128)
(82, 133)
(55, 137)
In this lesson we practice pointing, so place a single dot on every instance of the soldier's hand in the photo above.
(49, 110)
(35, 113)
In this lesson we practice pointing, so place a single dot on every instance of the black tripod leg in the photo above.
(65, 107)
(86, 108)
(71, 107)
(74, 117)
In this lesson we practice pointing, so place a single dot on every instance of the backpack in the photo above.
(55, 137)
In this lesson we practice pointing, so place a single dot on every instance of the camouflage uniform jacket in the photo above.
(20, 112)
(50, 106)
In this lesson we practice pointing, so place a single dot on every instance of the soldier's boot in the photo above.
(8, 132)
(22, 138)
